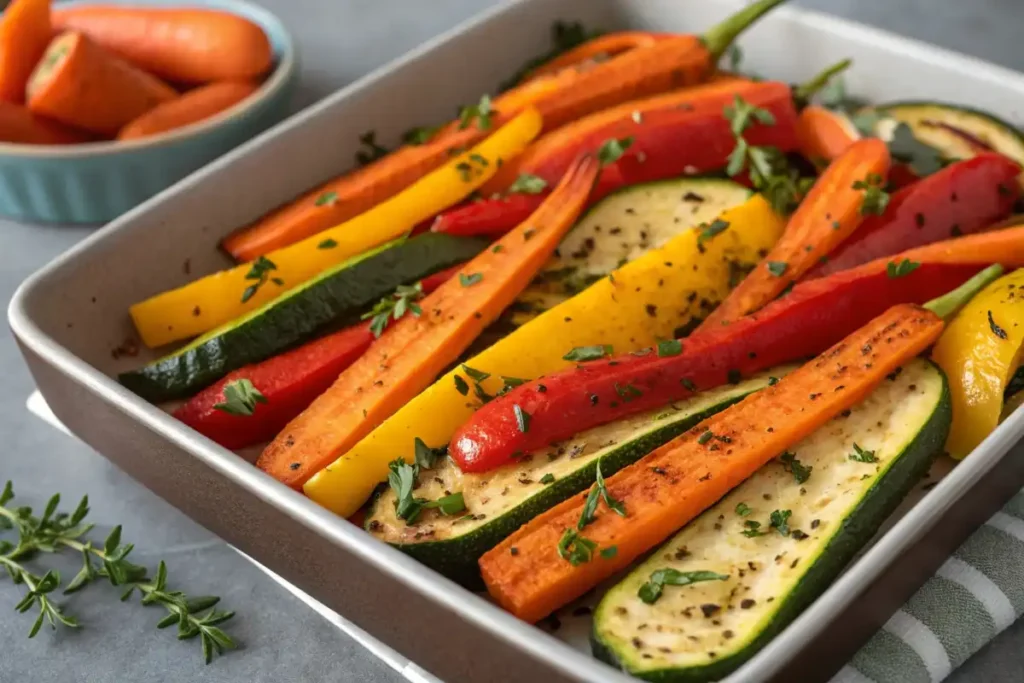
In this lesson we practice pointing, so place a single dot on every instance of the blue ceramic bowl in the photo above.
(98, 181)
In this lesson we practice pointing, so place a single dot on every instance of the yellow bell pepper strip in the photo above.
(216, 299)
(979, 352)
(637, 305)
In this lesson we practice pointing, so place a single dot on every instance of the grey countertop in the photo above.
(283, 640)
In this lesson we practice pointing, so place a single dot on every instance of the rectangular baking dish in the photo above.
(69, 317)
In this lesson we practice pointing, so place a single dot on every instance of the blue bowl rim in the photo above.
(286, 64)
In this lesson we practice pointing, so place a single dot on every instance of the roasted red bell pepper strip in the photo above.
(665, 144)
(811, 318)
(963, 198)
(289, 382)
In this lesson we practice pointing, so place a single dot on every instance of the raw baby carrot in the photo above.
(192, 107)
(413, 351)
(824, 134)
(847, 191)
(182, 45)
(80, 84)
(560, 98)
(24, 34)
(18, 124)
(672, 485)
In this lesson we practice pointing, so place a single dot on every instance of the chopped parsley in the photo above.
(326, 199)
(426, 457)
(706, 436)
(861, 455)
(420, 135)
(669, 347)
(875, 198)
(527, 183)
(582, 354)
(327, 244)
(240, 398)
(904, 267)
(260, 272)
(480, 112)
(470, 279)
(923, 159)
(777, 268)
(394, 307)
(627, 392)
(753, 529)
(652, 590)
(780, 521)
(799, 471)
(576, 549)
(461, 386)
(402, 480)
(548, 479)
(717, 227)
(741, 114)
(772, 381)
(613, 149)
(742, 509)
(372, 152)
(610, 552)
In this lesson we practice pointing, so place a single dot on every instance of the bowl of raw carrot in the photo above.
(103, 105)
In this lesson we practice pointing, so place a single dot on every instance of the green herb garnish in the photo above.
(582, 354)
(548, 479)
(372, 152)
(780, 521)
(598, 492)
(861, 455)
(480, 112)
(904, 267)
(875, 198)
(394, 307)
(652, 590)
(708, 232)
(522, 418)
(326, 199)
(613, 149)
(419, 136)
(327, 244)
(527, 183)
(260, 272)
(470, 279)
(240, 398)
(742, 509)
(799, 471)
(575, 549)
(777, 268)
(669, 348)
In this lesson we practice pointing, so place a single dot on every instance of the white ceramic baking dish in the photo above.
(69, 316)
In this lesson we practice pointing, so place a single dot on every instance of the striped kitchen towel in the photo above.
(976, 594)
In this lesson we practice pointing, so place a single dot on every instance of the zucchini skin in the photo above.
(456, 558)
(873, 509)
(336, 298)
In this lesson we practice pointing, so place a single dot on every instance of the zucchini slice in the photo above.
(703, 631)
(337, 296)
(956, 132)
(499, 502)
(621, 227)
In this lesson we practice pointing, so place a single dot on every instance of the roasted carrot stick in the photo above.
(80, 84)
(181, 45)
(824, 134)
(669, 487)
(192, 107)
(597, 50)
(831, 211)
(560, 97)
(24, 34)
(18, 124)
(413, 351)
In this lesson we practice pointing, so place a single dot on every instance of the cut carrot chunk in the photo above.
(411, 353)
(18, 124)
(672, 485)
(597, 50)
(80, 84)
(824, 135)
(832, 210)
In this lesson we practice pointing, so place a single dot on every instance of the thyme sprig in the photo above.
(55, 531)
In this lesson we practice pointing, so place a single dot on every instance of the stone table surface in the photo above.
(283, 639)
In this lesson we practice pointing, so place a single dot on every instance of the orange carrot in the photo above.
(194, 106)
(80, 84)
(672, 485)
(18, 124)
(829, 213)
(181, 45)
(24, 34)
(1005, 246)
(597, 50)
(561, 97)
(824, 134)
(415, 350)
